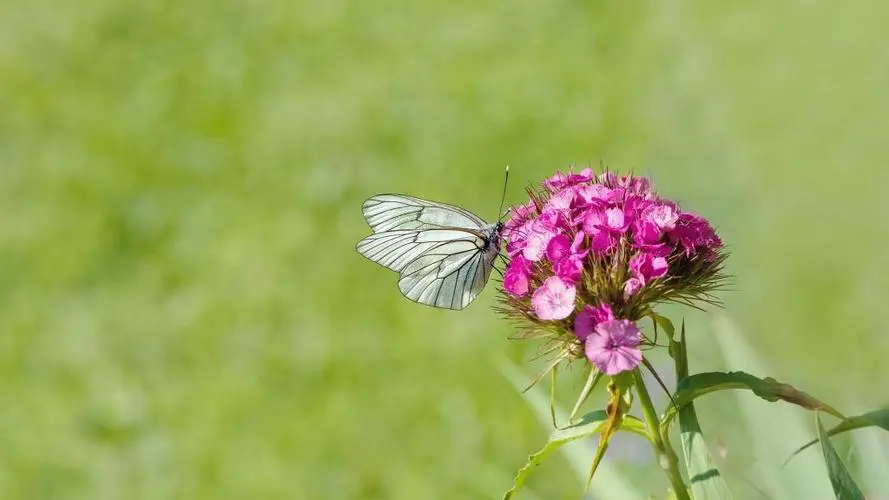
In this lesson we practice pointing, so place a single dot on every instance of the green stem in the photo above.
(667, 457)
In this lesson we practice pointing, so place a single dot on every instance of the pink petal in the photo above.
(632, 287)
(554, 299)
(612, 362)
(586, 320)
(558, 248)
(515, 279)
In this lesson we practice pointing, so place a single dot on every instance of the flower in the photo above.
(560, 181)
(535, 246)
(558, 248)
(515, 279)
(649, 265)
(589, 317)
(614, 346)
(589, 256)
(589, 249)
(554, 299)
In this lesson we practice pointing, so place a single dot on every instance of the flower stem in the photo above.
(667, 458)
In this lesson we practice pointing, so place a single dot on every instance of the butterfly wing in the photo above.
(444, 253)
(398, 248)
(390, 212)
(451, 275)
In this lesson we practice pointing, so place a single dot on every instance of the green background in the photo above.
(183, 314)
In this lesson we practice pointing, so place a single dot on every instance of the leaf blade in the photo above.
(877, 418)
(705, 479)
(844, 487)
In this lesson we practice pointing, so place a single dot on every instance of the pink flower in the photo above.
(646, 234)
(519, 215)
(613, 220)
(693, 233)
(662, 215)
(604, 243)
(614, 346)
(649, 265)
(561, 200)
(595, 194)
(636, 185)
(632, 287)
(554, 299)
(586, 320)
(570, 269)
(516, 277)
(515, 245)
(560, 180)
(585, 230)
(594, 222)
(537, 240)
(577, 244)
(567, 257)
(616, 221)
(558, 248)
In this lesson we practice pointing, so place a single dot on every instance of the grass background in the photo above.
(182, 313)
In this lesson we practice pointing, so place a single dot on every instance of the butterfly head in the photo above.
(495, 237)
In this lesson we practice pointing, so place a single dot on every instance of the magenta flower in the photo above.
(694, 234)
(558, 248)
(560, 181)
(594, 222)
(646, 234)
(664, 216)
(589, 256)
(589, 317)
(515, 279)
(649, 265)
(587, 252)
(616, 220)
(537, 240)
(569, 269)
(614, 346)
(554, 299)
(632, 287)
(519, 215)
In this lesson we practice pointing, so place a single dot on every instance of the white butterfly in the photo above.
(443, 253)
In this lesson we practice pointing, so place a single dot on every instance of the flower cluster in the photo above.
(589, 254)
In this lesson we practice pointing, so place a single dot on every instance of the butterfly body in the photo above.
(444, 254)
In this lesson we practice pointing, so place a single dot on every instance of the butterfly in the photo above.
(443, 254)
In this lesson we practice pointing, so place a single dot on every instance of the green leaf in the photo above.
(770, 428)
(876, 418)
(610, 482)
(589, 424)
(591, 382)
(706, 481)
(699, 384)
(665, 323)
(844, 486)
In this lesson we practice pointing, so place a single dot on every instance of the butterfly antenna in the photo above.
(503, 197)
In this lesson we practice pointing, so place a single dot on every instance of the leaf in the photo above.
(706, 481)
(699, 384)
(844, 486)
(589, 424)
(876, 418)
(616, 409)
(610, 482)
(591, 382)
(665, 323)
(771, 428)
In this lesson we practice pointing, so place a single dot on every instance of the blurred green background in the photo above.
(183, 314)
